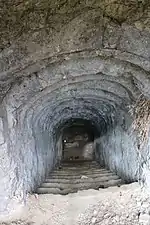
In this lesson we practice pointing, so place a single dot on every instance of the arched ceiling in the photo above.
(20, 17)
(39, 33)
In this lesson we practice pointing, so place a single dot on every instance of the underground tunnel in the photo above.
(38, 123)
(69, 88)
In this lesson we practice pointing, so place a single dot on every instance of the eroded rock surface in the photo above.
(62, 60)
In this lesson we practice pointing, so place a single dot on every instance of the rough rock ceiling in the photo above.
(35, 33)
(21, 18)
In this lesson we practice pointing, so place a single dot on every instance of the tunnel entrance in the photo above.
(78, 141)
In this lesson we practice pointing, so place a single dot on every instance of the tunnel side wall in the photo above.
(117, 151)
(12, 166)
(26, 156)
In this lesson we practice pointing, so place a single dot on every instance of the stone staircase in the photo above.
(73, 176)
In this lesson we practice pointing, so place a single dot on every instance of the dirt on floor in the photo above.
(125, 205)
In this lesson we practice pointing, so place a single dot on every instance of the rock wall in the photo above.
(60, 61)
(118, 151)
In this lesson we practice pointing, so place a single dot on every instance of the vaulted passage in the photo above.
(84, 116)
(70, 73)
(80, 166)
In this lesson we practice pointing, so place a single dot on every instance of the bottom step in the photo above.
(73, 190)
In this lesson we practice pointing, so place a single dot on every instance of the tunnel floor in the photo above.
(73, 176)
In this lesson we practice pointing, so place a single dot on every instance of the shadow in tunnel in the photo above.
(78, 140)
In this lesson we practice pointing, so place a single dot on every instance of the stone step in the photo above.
(55, 191)
(67, 172)
(72, 176)
(83, 180)
(76, 174)
(78, 168)
(79, 164)
(77, 185)
(44, 190)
